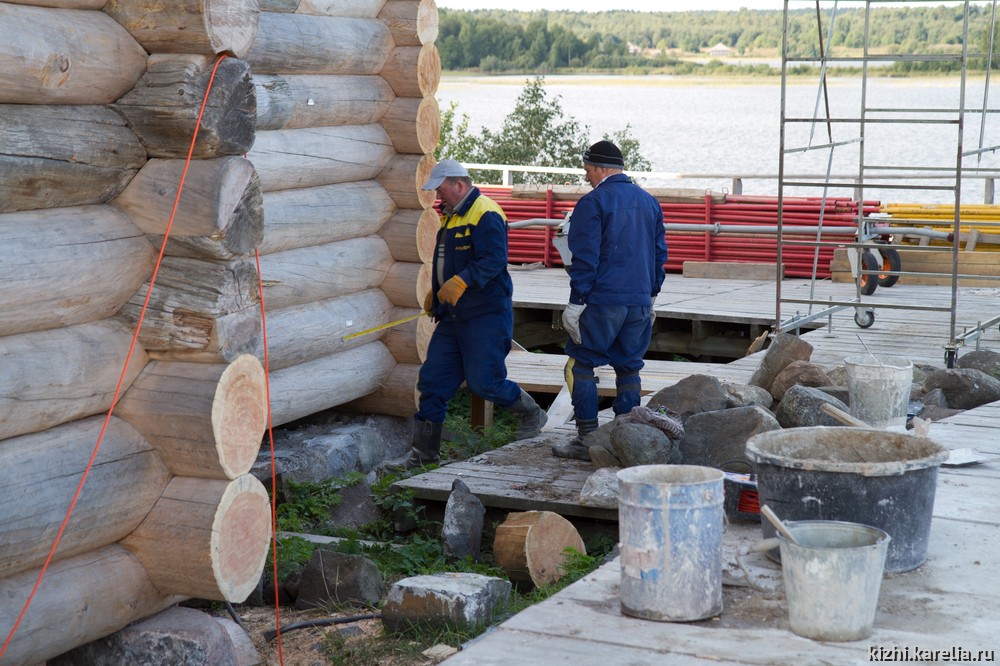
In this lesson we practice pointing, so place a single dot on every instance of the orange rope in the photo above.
(274, 480)
(121, 378)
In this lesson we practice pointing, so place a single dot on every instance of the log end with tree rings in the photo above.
(239, 414)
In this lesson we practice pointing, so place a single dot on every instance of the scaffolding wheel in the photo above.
(864, 318)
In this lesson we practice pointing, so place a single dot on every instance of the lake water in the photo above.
(715, 129)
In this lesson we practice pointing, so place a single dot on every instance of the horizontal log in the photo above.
(319, 100)
(62, 56)
(189, 26)
(404, 176)
(66, 266)
(199, 310)
(397, 395)
(425, 329)
(309, 331)
(345, 8)
(411, 234)
(404, 281)
(124, 482)
(206, 538)
(301, 44)
(166, 105)
(310, 274)
(412, 22)
(60, 375)
(324, 214)
(413, 71)
(401, 340)
(203, 419)
(288, 159)
(219, 216)
(413, 124)
(89, 160)
(574, 192)
(331, 381)
(83, 598)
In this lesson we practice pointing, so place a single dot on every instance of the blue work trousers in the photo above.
(615, 335)
(470, 350)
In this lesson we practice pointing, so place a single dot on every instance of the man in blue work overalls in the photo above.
(616, 238)
(471, 301)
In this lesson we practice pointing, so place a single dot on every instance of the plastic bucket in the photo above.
(879, 387)
(832, 578)
(859, 475)
(670, 521)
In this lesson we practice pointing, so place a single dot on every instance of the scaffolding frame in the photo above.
(866, 237)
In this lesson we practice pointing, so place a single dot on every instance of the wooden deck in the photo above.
(944, 604)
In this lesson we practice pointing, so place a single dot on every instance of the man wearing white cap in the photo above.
(471, 301)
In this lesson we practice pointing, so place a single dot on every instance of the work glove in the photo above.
(452, 290)
(429, 301)
(571, 321)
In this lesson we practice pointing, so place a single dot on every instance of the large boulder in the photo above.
(784, 349)
(639, 444)
(964, 388)
(985, 360)
(692, 395)
(336, 578)
(802, 407)
(802, 373)
(716, 438)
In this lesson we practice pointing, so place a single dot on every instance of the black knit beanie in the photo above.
(604, 154)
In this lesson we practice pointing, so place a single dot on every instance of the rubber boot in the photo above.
(575, 448)
(424, 448)
(530, 417)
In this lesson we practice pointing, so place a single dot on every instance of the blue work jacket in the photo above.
(616, 236)
(475, 248)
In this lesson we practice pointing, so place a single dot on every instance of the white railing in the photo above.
(507, 172)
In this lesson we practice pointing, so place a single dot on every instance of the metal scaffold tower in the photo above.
(899, 142)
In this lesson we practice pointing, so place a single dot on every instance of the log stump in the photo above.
(530, 547)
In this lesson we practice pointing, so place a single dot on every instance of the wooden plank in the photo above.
(560, 411)
(730, 270)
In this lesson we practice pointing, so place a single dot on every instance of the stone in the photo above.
(964, 388)
(337, 578)
(802, 373)
(716, 439)
(442, 600)
(784, 349)
(462, 528)
(639, 444)
(602, 457)
(801, 407)
(601, 489)
(357, 506)
(934, 398)
(935, 413)
(177, 635)
(838, 376)
(319, 453)
(841, 393)
(984, 360)
(744, 395)
(243, 649)
(692, 395)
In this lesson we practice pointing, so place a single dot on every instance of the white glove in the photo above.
(652, 314)
(571, 320)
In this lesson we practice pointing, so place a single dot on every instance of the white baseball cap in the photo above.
(444, 169)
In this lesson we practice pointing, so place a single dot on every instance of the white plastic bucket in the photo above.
(670, 520)
(832, 578)
(879, 387)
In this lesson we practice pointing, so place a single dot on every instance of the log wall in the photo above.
(315, 137)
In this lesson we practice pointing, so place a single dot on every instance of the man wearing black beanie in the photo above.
(616, 238)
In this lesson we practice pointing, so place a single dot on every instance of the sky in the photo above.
(605, 5)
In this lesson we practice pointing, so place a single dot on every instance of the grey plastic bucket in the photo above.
(832, 578)
(670, 520)
(879, 387)
(860, 475)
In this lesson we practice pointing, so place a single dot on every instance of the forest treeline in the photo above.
(542, 41)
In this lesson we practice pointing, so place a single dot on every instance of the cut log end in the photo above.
(239, 414)
(530, 546)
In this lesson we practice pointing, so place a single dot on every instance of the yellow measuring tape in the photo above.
(383, 326)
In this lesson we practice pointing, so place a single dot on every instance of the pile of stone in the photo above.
(710, 420)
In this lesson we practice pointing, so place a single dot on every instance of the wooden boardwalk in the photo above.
(947, 603)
